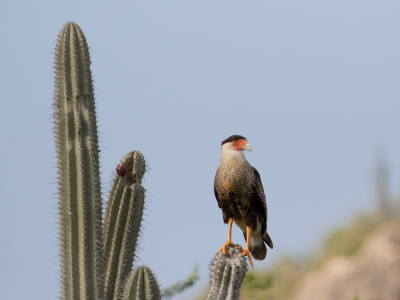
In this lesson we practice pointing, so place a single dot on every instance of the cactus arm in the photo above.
(80, 206)
(116, 191)
(122, 223)
(142, 285)
(227, 275)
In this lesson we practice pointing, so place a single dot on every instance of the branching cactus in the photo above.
(96, 256)
(84, 272)
(80, 205)
(227, 275)
(142, 284)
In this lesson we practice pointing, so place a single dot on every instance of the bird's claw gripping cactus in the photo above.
(227, 274)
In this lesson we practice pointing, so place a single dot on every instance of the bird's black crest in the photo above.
(232, 138)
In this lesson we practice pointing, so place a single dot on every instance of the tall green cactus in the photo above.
(227, 275)
(80, 205)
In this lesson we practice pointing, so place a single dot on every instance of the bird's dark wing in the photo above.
(216, 193)
(259, 201)
(225, 214)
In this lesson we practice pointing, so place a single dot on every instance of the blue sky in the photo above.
(313, 86)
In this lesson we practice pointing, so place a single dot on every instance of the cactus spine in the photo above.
(122, 220)
(227, 274)
(142, 285)
(80, 206)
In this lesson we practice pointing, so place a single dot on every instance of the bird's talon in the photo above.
(247, 253)
(223, 248)
(239, 247)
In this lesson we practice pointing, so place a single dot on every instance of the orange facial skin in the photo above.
(239, 144)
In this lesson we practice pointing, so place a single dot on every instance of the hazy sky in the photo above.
(313, 86)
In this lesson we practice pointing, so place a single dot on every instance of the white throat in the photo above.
(229, 154)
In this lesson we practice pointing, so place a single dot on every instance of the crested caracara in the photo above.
(240, 195)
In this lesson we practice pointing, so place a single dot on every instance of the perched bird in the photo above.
(240, 195)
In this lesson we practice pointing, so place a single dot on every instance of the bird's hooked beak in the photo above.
(241, 144)
(247, 147)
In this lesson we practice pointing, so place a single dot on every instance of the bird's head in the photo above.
(234, 145)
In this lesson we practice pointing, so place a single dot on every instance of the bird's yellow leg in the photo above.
(229, 241)
(246, 251)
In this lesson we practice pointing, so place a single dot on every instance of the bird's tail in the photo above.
(267, 240)
(257, 247)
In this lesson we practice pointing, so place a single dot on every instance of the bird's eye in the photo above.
(235, 141)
